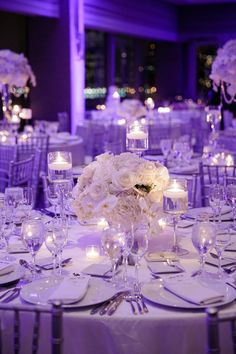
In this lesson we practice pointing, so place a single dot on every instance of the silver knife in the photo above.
(115, 305)
(102, 306)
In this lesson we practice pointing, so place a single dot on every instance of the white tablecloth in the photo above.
(162, 331)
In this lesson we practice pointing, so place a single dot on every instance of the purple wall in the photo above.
(150, 18)
(49, 56)
(212, 22)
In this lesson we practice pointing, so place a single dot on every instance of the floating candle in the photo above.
(92, 252)
(60, 164)
(137, 135)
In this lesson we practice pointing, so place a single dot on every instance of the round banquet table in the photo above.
(164, 330)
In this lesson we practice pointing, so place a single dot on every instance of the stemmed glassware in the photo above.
(213, 116)
(175, 203)
(138, 249)
(231, 197)
(223, 238)
(33, 233)
(203, 239)
(113, 243)
(13, 197)
(26, 204)
(166, 145)
(217, 199)
(53, 195)
(55, 241)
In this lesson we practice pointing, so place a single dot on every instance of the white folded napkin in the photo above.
(98, 269)
(70, 290)
(164, 268)
(6, 267)
(161, 256)
(192, 291)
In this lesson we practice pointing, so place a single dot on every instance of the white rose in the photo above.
(123, 179)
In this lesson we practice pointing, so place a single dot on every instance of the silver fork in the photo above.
(11, 294)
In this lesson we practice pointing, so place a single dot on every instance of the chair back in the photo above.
(19, 312)
(7, 154)
(214, 319)
(21, 172)
(213, 175)
(192, 190)
(27, 148)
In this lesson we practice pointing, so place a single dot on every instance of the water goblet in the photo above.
(26, 204)
(231, 198)
(217, 199)
(33, 232)
(165, 145)
(138, 249)
(13, 197)
(113, 243)
(175, 203)
(213, 116)
(223, 238)
(55, 241)
(203, 239)
(53, 196)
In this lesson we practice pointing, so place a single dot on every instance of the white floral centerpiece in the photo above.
(15, 69)
(120, 188)
(223, 72)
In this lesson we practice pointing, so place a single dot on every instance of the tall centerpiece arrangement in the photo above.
(123, 189)
(223, 72)
(15, 72)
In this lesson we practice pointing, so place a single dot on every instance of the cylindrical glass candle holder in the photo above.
(137, 137)
(60, 166)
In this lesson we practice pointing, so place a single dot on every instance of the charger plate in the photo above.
(39, 291)
(155, 292)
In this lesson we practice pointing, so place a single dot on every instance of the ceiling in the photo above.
(200, 2)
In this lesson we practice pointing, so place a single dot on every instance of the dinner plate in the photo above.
(155, 292)
(8, 278)
(195, 212)
(39, 291)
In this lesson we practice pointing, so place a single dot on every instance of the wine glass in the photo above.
(231, 198)
(213, 116)
(55, 241)
(53, 196)
(33, 233)
(7, 230)
(223, 238)
(203, 239)
(113, 243)
(13, 197)
(217, 199)
(175, 203)
(138, 249)
(165, 145)
(26, 204)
